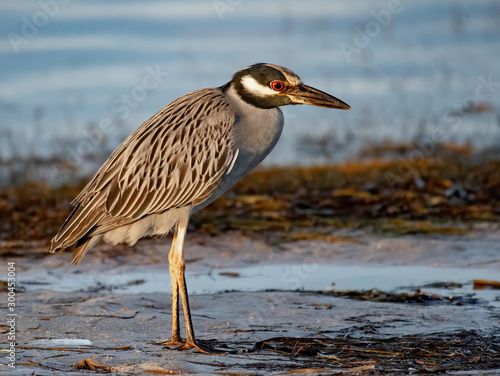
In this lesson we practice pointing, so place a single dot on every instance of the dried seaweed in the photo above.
(482, 284)
(465, 350)
(376, 295)
(434, 195)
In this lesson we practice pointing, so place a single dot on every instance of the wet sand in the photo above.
(290, 308)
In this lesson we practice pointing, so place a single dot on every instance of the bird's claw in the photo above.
(181, 344)
(170, 342)
(204, 348)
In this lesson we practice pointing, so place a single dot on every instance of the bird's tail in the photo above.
(82, 247)
(78, 229)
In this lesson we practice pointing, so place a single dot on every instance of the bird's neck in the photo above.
(256, 129)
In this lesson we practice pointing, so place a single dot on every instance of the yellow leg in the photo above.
(176, 336)
(177, 267)
(176, 339)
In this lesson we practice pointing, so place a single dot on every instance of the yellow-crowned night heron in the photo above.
(181, 160)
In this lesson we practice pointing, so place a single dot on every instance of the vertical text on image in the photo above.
(11, 315)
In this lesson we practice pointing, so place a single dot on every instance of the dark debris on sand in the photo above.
(434, 354)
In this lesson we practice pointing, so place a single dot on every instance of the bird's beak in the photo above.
(303, 94)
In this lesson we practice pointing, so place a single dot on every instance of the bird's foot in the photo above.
(171, 342)
(204, 347)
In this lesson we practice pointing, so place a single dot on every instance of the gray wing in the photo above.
(176, 158)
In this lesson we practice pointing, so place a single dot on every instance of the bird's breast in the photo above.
(257, 133)
(254, 138)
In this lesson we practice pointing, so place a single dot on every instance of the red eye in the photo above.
(277, 85)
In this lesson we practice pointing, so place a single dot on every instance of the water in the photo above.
(71, 72)
(155, 278)
(60, 342)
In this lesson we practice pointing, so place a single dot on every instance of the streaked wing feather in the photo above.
(176, 158)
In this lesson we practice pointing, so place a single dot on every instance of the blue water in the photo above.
(72, 71)
(288, 277)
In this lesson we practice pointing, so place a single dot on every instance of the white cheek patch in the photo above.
(254, 87)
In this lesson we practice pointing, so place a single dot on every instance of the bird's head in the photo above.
(271, 86)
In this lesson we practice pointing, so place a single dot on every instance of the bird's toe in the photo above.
(170, 342)
(204, 347)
